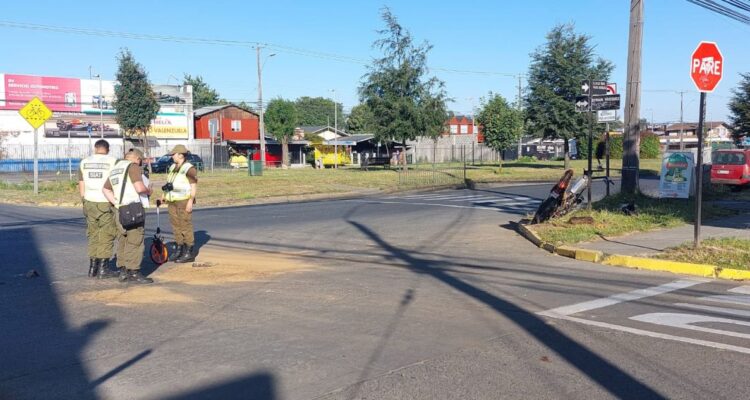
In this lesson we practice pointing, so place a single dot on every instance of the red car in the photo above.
(731, 167)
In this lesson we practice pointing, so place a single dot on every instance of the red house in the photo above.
(229, 122)
(463, 125)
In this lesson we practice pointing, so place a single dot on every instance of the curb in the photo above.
(617, 260)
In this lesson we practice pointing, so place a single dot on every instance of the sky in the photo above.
(322, 48)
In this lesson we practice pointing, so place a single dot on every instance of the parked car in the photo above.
(731, 167)
(163, 163)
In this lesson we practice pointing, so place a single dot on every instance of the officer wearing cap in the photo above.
(179, 193)
(100, 223)
(130, 245)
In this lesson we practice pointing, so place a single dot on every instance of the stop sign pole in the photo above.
(706, 70)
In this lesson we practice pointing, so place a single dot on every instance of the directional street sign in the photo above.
(582, 104)
(611, 88)
(35, 112)
(596, 88)
(606, 116)
(607, 102)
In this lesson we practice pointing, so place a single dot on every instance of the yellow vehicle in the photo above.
(329, 157)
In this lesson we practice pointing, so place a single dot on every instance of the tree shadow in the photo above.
(607, 375)
(257, 386)
(38, 348)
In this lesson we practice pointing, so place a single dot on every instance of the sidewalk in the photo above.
(649, 243)
(635, 250)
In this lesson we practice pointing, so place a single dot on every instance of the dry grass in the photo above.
(236, 187)
(724, 252)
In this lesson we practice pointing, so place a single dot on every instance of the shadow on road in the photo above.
(614, 380)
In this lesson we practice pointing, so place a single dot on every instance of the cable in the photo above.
(724, 10)
(223, 42)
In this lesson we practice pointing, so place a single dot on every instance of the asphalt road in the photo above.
(408, 296)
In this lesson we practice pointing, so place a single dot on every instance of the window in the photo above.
(454, 129)
(464, 129)
(236, 125)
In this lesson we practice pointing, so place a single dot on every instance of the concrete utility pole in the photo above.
(631, 136)
(682, 126)
(520, 138)
(260, 107)
(101, 104)
(335, 132)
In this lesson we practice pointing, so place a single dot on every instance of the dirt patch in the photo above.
(215, 266)
(135, 295)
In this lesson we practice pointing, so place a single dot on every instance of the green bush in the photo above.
(650, 147)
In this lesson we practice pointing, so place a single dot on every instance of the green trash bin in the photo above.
(254, 168)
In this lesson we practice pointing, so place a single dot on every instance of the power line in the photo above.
(726, 11)
(223, 42)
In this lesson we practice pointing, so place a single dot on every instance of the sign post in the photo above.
(36, 113)
(596, 96)
(706, 70)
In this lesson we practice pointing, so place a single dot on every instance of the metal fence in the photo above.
(473, 154)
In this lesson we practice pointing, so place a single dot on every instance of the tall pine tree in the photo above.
(739, 109)
(135, 100)
(557, 69)
(404, 101)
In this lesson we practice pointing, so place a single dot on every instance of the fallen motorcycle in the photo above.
(553, 201)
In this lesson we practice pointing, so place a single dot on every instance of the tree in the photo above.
(281, 119)
(501, 124)
(203, 95)
(317, 111)
(555, 75)
(360, 120)
(135, 100)
(739, 109)
(405, 103)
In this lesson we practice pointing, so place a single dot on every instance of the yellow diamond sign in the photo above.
(35, 112)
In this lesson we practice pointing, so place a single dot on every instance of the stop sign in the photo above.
(706, 66)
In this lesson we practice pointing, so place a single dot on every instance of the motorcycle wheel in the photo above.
(544, 212)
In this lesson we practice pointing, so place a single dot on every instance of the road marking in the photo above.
(474, 198)
(731, 299)
(623, 297)
(740, 289)
(656, 335)
(423, 204)
(722, 310)
(686, 321)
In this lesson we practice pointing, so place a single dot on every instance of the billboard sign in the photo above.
(59, 94)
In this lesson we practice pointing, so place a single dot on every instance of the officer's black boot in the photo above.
(135, 276)
(181, 249)
(189, 256)
(93, 267)
(123, 275)
(104, 271)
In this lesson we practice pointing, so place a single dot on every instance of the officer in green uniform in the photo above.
(129, 242)
(179, 193)
(100, 223)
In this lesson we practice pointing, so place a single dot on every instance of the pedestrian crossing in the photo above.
(509, 203)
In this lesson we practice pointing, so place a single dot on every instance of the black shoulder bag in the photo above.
(131, 215)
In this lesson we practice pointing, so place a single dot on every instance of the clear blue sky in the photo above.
(488, 35)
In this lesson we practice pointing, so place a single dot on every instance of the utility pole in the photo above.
(631, 136)
(260, 106)
(335, 132)
(101, 104)
(682, 124)
(520, 138)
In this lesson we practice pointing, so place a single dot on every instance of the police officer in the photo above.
(129, 242)
(179, 193)
(100, 223)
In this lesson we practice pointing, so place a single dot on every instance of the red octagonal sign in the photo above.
(706, 66)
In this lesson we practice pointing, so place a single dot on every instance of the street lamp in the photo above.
(101, 112)
(335, 132)
(260, 104)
